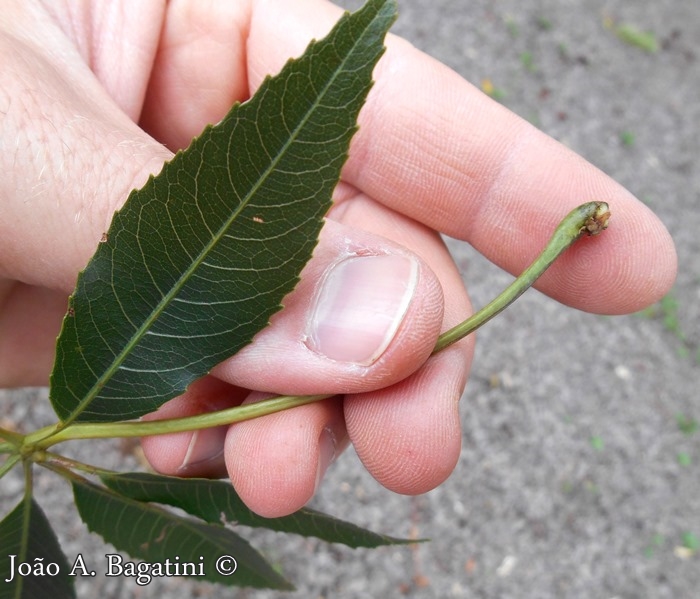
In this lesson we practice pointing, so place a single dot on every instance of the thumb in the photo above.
(70, 156)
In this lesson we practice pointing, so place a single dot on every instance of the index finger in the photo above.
(435, 148)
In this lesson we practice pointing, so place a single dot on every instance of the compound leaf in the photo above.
(199, 259)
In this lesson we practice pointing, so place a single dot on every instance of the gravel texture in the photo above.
(575, 479)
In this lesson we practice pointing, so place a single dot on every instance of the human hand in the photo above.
(81, 121)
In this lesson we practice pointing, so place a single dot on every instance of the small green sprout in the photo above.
(684, 459)
(686, 424)
(627, 138)
(512, 25)
(657, 541)
(597, 443)
(544, 23)
(528, 61)
(690, 541)
(646, 40)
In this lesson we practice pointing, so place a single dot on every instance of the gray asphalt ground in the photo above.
(575, 480)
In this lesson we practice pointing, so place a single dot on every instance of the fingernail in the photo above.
(326, 454)
(360, 306)
(205, 446)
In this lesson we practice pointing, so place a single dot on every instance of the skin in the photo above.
(95, 96)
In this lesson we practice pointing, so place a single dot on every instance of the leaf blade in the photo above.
(36, 545)
(212, 244)
(155, 535)
(212, 499)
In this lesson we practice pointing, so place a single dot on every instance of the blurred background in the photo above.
(580, 468)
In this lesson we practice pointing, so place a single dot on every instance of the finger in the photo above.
(436, 149)
(198, 453)
(308, 431)
(291, 449)
(366, 313)
(199, 71)
(118, 45)
(71, 156)
(30, 320)
(408, 435)
(277, 462)
(355, 209)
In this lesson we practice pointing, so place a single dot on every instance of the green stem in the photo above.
(46, 437)
(11, 437)
(62, 470)
(9, 464)
(591, 218)
(51, 460)
(9, 447)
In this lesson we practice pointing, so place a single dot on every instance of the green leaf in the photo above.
(630, 34)
(200, 258)
(213, 500)
(686, 424)
(26, 534)
(691, 541)
(597, 443)
(155, 535)
(684, 459)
